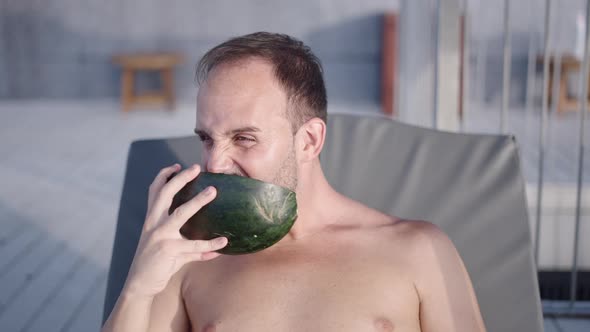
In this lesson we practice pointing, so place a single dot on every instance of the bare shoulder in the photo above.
(423, 246)
(440, 278)
(424, 242)
(416, 234)
(420, 232)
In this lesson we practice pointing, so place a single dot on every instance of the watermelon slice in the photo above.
(252, 214)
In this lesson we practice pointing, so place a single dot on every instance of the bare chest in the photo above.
(303, 292)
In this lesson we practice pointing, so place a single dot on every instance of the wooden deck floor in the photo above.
(61, 175)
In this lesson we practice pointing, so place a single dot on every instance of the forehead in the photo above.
(241, 94)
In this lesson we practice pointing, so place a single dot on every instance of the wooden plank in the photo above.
(47, 250)
(20, 245)
(27, 269)
(56, 310)
(89, 317)
(389, 63)
(573, 324)
(549, 325)
(19, 311)
(150, 98)
(31, 300)
(151, 61)
(54, 314)
(31, 263)
(127, 89)
(10, 230)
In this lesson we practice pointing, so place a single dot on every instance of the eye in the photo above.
(244, 138)
(244, 141)
(205, 139)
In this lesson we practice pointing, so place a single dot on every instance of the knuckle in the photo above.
(164, 247)
(163, 189)
(213, 244)
(178, 212)
(201, 246)
(169, 177)
(206, 195)
(163, 171)
(198, 246)
(198, 201)
(155, 236)
(162, 194)
(156, 185)
(159, 246)
(157, 180)
(190, 172)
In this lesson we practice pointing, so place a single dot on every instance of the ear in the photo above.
(310, 139)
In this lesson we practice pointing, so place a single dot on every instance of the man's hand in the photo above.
(162, 250)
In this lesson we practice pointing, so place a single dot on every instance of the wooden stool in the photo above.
(162, 62)
(569, 64)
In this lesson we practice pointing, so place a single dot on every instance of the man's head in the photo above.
(296, 69)
(261, 107)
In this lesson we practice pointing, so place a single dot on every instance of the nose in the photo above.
(218, 161)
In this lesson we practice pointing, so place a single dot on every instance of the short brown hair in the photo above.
(296, 68)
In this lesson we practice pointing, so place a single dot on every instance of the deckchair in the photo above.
(470, 185)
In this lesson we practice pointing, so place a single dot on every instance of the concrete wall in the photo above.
(62, 48)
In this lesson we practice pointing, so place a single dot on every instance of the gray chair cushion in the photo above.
(469, 185)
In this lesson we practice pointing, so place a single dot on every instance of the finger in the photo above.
(182, 213)
(164, 197)
(159, 181)
(155, 187)
(201, 246)
(196, 257)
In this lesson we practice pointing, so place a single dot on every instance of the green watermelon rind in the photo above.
(275, 212)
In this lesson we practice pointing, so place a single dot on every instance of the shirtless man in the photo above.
(261, 113)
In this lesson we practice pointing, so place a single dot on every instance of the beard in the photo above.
(286, 175)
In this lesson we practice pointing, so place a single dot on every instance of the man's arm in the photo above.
(151, 299)
(164, 312)
(168, 312)
(130, 313)
(447, 298)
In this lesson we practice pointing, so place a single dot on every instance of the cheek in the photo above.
(261, 162)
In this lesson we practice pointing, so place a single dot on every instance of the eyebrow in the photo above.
(247, 129)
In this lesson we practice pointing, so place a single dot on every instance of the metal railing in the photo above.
(572, 306)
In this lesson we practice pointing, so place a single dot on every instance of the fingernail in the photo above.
(209, 190)
(220, 241)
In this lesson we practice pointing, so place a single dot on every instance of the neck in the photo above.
(316, 202)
